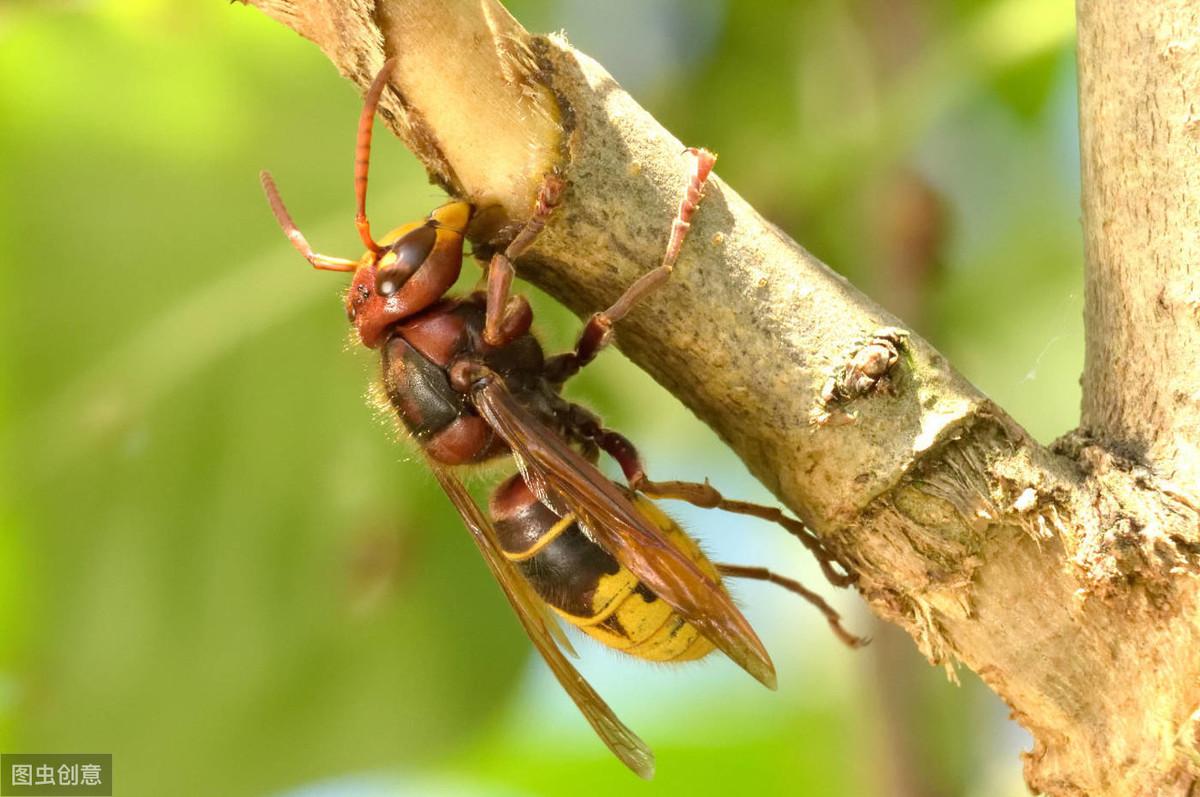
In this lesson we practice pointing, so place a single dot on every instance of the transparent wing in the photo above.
(567, 482)
(531, 611)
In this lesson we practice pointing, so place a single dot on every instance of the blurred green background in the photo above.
(217, 563)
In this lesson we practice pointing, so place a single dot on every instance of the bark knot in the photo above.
(866, 369)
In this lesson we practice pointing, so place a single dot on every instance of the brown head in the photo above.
(408, 269)
(416, 265)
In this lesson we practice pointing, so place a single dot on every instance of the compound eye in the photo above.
(403, 258)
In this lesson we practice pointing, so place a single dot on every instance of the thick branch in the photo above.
(1053, 575)
(1139, 84)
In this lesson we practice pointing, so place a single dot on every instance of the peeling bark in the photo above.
(1065, 577)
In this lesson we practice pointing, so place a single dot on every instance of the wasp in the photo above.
(470, 383)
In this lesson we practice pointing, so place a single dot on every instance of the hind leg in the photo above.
(587, 429)
(706, 496)
(763, 574)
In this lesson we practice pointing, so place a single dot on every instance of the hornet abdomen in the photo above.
(589, 588)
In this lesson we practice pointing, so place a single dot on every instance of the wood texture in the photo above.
(1139, 90)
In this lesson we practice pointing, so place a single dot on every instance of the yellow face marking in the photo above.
(454, 216)
(387, 260)
(396, 234)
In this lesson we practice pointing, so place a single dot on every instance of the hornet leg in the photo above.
(763, 574)
(704, 495)
(598, 330)
(508, 317)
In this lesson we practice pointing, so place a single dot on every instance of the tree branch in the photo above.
(1139, 82)
(1056, 576)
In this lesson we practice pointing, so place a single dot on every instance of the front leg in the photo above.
(598, 331)
(509, 317)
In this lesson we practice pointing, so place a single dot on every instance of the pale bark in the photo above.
(1139, 85)
(1064, 577)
